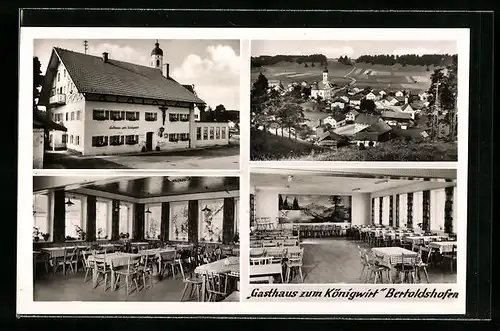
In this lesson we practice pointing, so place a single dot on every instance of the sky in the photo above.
(353, 49)
(213, 66)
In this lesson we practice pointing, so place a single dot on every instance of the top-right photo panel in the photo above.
(372, 100)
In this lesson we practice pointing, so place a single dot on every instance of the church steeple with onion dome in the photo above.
(157, 56)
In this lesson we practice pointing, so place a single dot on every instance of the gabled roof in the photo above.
(367, 119)
(41, 121)
(91, 74)
(417, 105)
(353, 111)
(379, 127)
(357, 96)
(330, 136)
(389, 97)
(400, 99)
(396, 115)
(338, 116)
(338, 99)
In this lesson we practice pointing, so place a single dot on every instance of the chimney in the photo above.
(165, 70)
(105, 57)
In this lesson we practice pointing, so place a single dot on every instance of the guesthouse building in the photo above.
(115, 107)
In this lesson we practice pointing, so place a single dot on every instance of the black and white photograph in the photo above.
(122, 238)
(361, 100)
(353, 226)
(140, 104)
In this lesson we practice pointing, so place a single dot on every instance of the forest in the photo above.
(408, 59)
(267, 60)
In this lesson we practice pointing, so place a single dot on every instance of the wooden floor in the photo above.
(336, 260)
(56, 287)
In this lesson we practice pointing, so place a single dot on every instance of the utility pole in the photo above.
(85, 45)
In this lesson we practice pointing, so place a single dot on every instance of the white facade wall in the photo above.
(360, 209)
(385, 210)
(437, 204)
(71, 115)
(38, 148)
(220, 134)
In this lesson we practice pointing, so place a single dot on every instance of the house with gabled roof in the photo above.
(355, 100)
(391, 100)
(406, 108)
(113, 107)
(330, 139)
(338, 102)
(336, 120)
(42, 124)
(371, 96)
(373, 134)
(351, 114)
(397, 119)
(399, 94)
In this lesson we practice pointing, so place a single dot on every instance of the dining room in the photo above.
(136, 238)
(353, 226)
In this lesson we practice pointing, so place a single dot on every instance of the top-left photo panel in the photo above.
(136, 104)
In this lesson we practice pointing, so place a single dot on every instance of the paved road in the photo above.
(226, 157)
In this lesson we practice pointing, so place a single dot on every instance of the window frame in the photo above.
(107, 230)
(171, 230)
(48, 213)
(83, 202)
(146, 220)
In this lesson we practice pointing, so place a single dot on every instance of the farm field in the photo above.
(414, 78)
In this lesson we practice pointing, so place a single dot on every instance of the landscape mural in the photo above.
(314, 208)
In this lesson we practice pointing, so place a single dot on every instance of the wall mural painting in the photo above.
(179, 221)
(212, 212)
(314, 208)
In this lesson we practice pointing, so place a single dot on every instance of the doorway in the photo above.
(149, 141)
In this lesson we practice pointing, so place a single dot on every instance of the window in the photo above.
(125, 223)
(78, 114)
(99, 141)
(77, 140)
(152, 223)
(64, 72)
(205, 133)
(223, 133)
(178, 221)
(116, 140)
(184, 137)
(131, 139)
(64, 138)
(217, 133)
(184, 117)
(211, 133)
(117, 115)
(132, 116)
(173, 117)
(58, 76)
(173, 137)
(198, 133)
(102, 219)
(71, 139)
(41, 214)
(210, 227)
(151, 117)
(74, 218)
(157, 63)
(72, 115)
(100, 115)
(66, 117)
(236, 215)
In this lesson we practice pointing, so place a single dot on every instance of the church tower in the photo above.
(157, 56)
(325, 76)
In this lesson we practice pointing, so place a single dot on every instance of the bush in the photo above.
(361, 146)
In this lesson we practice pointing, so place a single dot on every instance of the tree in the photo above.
(306, 90)
(219, 113)
(37, 81)
(280, 202)
(367, 106)
(295, 204)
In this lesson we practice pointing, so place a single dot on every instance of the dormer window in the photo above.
(157, 63)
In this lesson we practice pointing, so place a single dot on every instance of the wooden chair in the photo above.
(216, 286)
(376, 268)
(294, 262)
(131, 273)
(166, 263)
(406, 271)
(261, 260)
(270, 244)
(87, 266)
(420, 265)
(69, 260)
(194, 283)
(451, 256)
(364, 264)
(145, 270)
(102, 268)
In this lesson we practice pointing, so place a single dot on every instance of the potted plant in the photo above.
(81, 234)
(236, 238)
(36, 234)
(46, 236)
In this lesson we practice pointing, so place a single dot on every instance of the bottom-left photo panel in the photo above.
(136, 238)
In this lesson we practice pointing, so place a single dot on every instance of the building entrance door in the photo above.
(149, 141)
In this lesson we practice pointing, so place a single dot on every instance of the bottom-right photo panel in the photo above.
(355, 226)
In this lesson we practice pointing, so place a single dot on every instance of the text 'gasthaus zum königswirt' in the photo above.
(350, 294)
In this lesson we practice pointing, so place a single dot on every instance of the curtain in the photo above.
(438, 202)
(418, 199)
(376, 208)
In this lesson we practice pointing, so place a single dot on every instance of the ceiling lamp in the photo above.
(69, 202)
(206, 209)
(382, 181)
(148, 211)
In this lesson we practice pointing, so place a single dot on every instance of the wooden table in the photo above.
(119, 259)
(265, 270)
(441, 246)
(217, 267)
(394, 255)
(157, 252)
